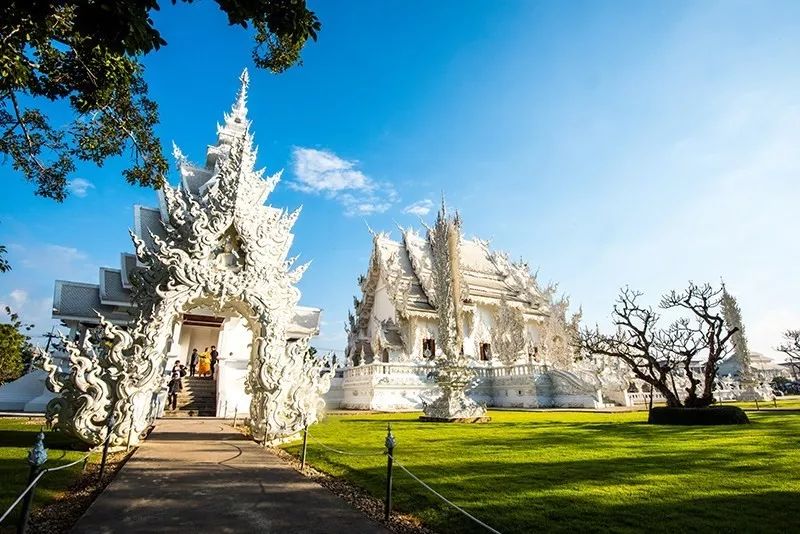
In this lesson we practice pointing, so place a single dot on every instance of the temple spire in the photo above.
(236, 123)
(239, 109)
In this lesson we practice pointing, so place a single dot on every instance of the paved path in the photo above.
(200, 475)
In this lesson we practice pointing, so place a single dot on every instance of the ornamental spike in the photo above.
(239, 109)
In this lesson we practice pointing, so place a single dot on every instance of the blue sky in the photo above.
(607, 143)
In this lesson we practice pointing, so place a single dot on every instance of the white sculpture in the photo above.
(452, 374)
(223, 250)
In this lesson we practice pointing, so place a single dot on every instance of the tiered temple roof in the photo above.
(487, 277)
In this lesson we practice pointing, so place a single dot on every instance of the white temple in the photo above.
(515, 334)
(211, 268)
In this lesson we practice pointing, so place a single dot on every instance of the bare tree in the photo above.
(791, 347)
(664, 357)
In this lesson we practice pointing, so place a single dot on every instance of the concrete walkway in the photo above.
(200, 475)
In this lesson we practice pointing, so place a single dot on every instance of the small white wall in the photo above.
(234, 347)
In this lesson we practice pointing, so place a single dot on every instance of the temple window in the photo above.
(486, 352)
(428, 348)
(385, 355)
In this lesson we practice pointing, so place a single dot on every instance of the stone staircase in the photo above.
(198, 398)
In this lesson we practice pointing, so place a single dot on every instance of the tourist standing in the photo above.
(174, 387)
(204, 363)
(214, 360)
(193, 362)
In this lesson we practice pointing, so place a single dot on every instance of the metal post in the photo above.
(390, 443)
(305, 445)
(36, 458)
(130, 433)
(264, 443)
(109, 426)
(235, 414)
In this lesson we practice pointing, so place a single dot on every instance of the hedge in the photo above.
(716, 415)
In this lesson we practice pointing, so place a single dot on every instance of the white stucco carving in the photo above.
(223, 250)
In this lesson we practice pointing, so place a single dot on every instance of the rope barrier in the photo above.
(21, 495)
(442, 497)
(40, 475)
(345, 452)
(415, 477)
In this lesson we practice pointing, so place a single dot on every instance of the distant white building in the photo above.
(763, 367)
(515, 335)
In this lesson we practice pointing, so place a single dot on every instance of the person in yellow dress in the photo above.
(204, 364)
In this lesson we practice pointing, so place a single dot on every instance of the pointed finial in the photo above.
(390, 441)
(180, 159)
(369, 229)
(38, 454)
(240, 107)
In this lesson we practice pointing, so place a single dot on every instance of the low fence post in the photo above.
(130, 433)
(109, 426)
(36, 458)
(390, 444)
(305, 445)
(266, 427)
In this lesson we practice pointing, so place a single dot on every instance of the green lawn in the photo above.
(17, 436)
(578, 472)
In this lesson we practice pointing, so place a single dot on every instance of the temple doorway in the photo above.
(196, 332)
(230, 334)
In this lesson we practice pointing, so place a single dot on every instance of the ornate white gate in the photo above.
(221, 249)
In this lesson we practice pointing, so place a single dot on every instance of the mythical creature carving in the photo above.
(508, 334)
(558, 340)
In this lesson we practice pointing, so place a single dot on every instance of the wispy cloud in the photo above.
(28, 288)
(419, 208)
(79, 187)
(321, 172)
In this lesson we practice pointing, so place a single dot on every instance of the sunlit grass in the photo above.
(17, 436)
(578, 472)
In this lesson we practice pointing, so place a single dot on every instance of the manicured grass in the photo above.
(17, 436)
(578, 472)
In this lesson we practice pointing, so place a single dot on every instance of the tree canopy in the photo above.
(15, 349)
(86, 53)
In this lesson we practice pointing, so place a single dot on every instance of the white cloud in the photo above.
(322, 172)
(419, 208)
(79, 187)
(19, 296)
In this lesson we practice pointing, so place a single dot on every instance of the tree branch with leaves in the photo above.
(86, 54)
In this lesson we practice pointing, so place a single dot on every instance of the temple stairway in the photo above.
(198, 398)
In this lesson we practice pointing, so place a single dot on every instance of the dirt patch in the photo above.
(358, 498)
